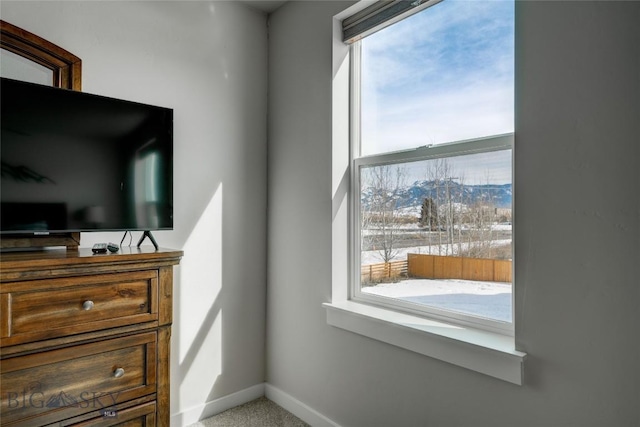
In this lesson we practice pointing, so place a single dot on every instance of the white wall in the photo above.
(207, 61)
(576, 228)
(577, 264)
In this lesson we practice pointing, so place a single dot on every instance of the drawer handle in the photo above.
(118, 372)
(87, 305)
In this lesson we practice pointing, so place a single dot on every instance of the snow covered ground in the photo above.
(486, 299)
(374, 257)
(373, 230)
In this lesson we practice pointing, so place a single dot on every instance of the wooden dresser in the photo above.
(84, 338)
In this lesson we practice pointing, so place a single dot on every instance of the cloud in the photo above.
(442, 75)
(474, 111)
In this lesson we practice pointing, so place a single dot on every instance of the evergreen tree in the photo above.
(429, 214)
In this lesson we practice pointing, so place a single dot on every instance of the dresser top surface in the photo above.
(84, 257)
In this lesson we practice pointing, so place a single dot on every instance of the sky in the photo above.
(468, 169)
(444, 74)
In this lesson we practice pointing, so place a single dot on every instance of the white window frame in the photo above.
(502, 142)
(483, 351)
(445, 150)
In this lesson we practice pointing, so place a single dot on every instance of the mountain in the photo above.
(498, 195)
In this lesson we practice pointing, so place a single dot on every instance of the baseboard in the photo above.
(206, 410)
(297, 408)
(288, 402)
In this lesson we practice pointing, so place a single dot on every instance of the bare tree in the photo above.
(440, 175)
(482, 218)
(380, 216)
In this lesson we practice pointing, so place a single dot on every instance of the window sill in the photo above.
(481, 351)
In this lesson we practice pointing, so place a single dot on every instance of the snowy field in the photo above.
(372, 230)
(486, 299)
(375, 257)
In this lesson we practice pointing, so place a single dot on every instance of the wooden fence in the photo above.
(449, 267)
(383, 271)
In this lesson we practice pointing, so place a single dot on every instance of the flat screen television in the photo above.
(73, 162)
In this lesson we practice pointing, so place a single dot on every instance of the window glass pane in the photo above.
(444, 74)
(438, 233)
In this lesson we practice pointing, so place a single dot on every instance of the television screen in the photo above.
(73, 161)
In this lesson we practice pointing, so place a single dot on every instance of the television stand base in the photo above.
(150, 236)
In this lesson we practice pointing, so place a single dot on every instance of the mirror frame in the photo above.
(66, 67)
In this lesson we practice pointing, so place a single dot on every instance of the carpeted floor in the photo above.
(258, 413)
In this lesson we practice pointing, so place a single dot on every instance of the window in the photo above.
(432, 140)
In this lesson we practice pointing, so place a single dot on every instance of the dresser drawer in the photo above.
(41, 309)
(60, 384)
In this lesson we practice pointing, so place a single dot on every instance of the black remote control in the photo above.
(99, 248)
